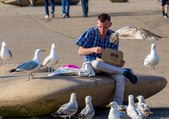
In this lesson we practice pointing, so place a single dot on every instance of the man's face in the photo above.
(103, 27)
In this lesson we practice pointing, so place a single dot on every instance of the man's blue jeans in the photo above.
(52, 3)
(65, 7)
(85, 7)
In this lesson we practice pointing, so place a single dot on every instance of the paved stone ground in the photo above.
(25, 29)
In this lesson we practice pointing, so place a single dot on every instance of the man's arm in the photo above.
(87, 51)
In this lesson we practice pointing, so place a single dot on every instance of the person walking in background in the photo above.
(85, 7)
(52, 3)
(65, 8)
(164, 7)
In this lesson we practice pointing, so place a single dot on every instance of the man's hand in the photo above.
(122, 63)
(97, 50)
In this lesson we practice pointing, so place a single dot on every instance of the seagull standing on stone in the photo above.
(30, 66)
(143, 107)
(5, 54)
(132, 110)
(152, 59)
(133, 32)
(88, 112)
(51, 59)
(68, 109)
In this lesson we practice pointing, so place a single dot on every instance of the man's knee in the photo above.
(95, 64)
(119, 78)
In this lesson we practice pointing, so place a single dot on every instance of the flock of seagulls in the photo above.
(32, 65)
(134, 32)
(130, 111)
(69, 109)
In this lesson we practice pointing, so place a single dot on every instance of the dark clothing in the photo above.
(85, 7)
(164, 2)
(52, 3)
(65, 7)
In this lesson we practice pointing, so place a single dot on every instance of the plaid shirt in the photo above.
(91, 38)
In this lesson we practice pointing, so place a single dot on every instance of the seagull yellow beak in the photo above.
(107, 106)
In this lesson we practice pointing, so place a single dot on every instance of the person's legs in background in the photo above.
(164, 8)
(87, 8)
(67, 8)
(31, 3)
(63, 8)
(52, 8)
(84, 7)
(46, 9)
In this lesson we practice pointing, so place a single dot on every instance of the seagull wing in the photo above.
(10, 53)
(27, 66)
(146, 60)
(46, 61)
(149, 35)
(67, 109)
(86, 113)
(134, 32)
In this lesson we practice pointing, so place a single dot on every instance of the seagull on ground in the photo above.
(143, 107)
(5, 54)
(51, 59)
(88, 112)
(133, 32)
(152, 59)
(132, 110)
(68, 109)
(30, 66)
(114, 112)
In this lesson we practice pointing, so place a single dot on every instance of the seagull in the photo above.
(5, 54)
(152, 59)
(51, 59)
(30, 66)
(132, 110)
(88, 112)
(68, 109)
(143, 107)
(115, 113)
(133, 32)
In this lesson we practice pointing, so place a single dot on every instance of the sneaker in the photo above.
(47, 17)
(63, 16)
(133, 78)
(87, 70)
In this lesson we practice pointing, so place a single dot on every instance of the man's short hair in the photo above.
(103, 17)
